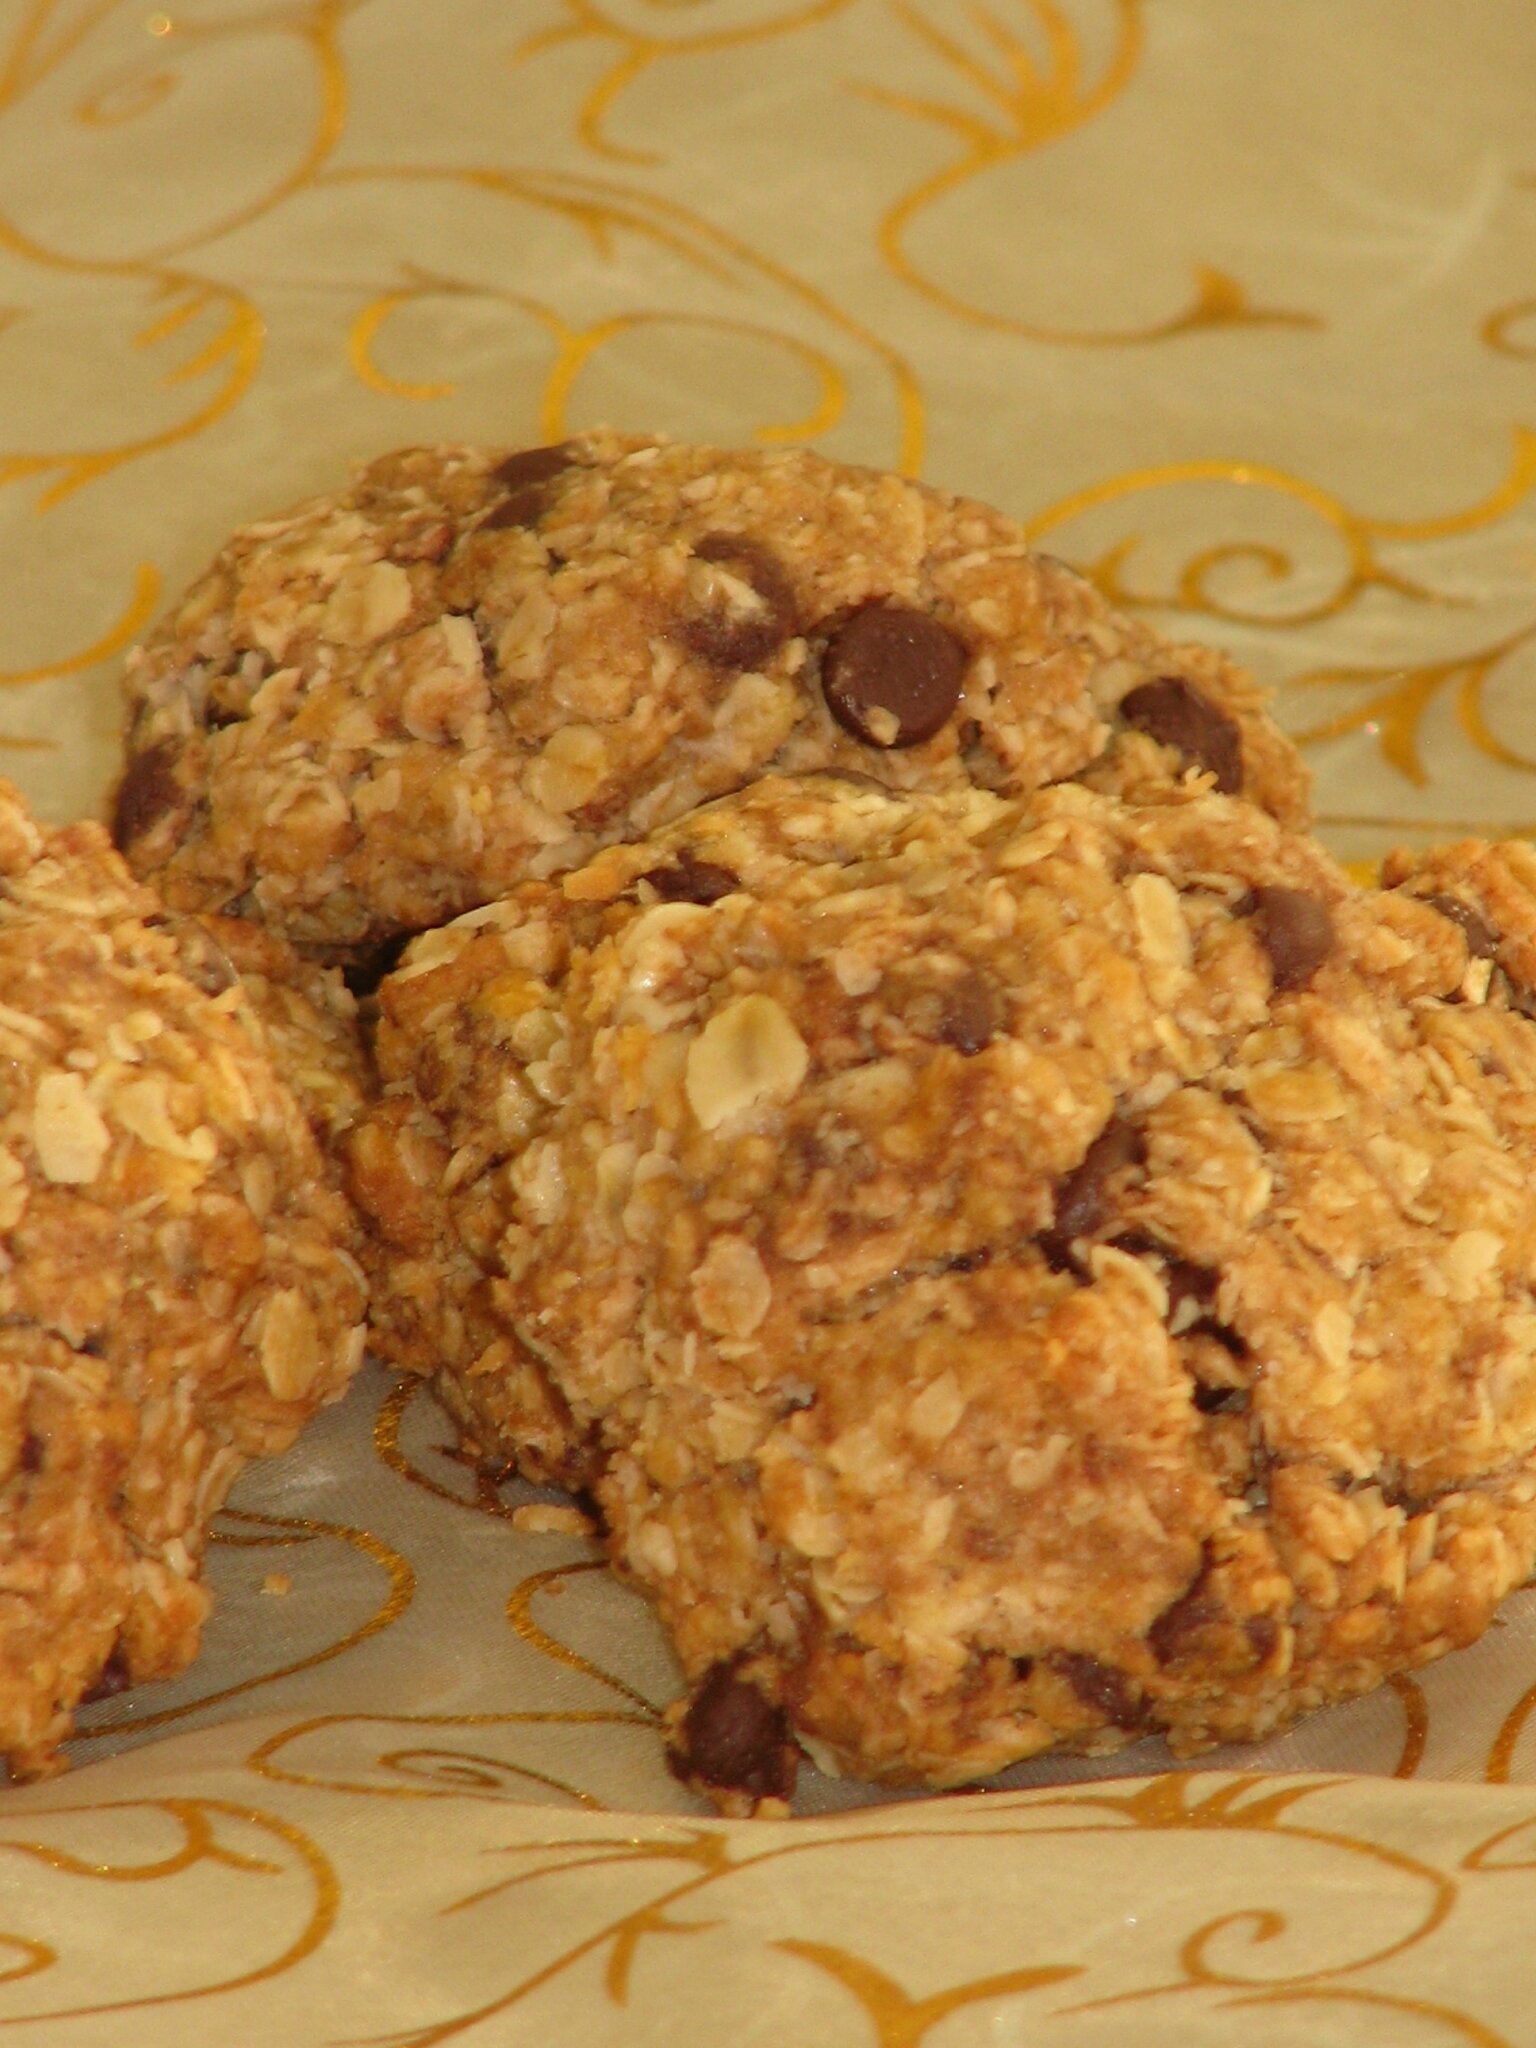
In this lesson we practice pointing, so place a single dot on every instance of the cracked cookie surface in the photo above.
(1015, 1274)
(470, 666)
(178, 1283)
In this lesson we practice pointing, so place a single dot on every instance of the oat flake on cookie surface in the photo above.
(1014, 1273)
(178, 1282)
(471, 665)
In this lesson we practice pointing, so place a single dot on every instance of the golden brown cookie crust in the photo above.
(1017, 1274)
(470, 666)
(179, 1289)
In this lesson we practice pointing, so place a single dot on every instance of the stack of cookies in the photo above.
(875, 1087)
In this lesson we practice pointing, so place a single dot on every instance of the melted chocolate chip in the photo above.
(1295, 930)
(1174, 1630)
(147, 792)
(110, 1680)
(891, 675)
(525, 477)
(1100, 1686)
(531, 466)
(734, 1738)
(969, 1018)
(742, 639)
(1482, 940)
(1080, 1197)
(523, 508)
(1175, 714)
(688, 880)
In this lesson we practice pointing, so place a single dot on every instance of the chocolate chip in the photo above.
(1295, 930)
(1482, 940)
(110, 1680)
(531, 466)
(969, 1017)
(892, 675)
(1174, 1630)
(526, 478)
(1100, 1686)
(1080, 1197)
(742, 639)
(687, 880)
(1175, 714)
(734, 1738)
(146, 794)
(523, 508)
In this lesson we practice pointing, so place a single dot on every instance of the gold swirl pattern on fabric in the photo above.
(1032, 106)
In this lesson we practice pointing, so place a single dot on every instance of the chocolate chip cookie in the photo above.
(1016, 1273)
(178, 1283)
(471, 666)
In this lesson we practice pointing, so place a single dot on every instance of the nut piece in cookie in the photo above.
(470, 667)
(179, 1289)
(1015, 1274)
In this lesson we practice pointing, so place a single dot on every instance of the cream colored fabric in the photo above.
(1236, 305)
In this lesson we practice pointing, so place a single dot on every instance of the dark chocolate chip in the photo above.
(1080, 1197)
(110, 1680)
(30, 1457)
(742, 640)
(891, 675)
(969, 1017)
(531, 466)
(687, 880)
(1100, 1686)
(1175, 714)
(734, 1738)
(1482, 940)
(525, 477)
(1295, 929)
(1174, 1630)
(1022, 1667)
(147, 792)
(525, 507)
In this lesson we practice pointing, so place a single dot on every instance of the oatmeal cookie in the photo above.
(1015, 1273)
(178, 1283)
(471, 666)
